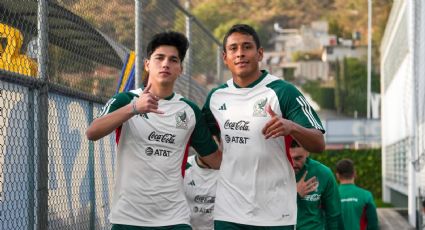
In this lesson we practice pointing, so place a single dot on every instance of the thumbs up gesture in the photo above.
(277, 126)
(147, 102)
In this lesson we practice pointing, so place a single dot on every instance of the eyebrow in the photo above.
(163, 55)
(243, 43)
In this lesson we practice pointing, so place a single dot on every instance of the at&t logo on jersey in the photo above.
(260, 108)
(157, 152)
(202, 210)
(237, 125)
(164, 138)
(235, 139)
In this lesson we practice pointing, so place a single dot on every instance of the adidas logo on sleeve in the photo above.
(223, 107)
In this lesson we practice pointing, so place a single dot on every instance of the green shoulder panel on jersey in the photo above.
(294, 106)
(201, 139)
(117, 101)
(206, 111)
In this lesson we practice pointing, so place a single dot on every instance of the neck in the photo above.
(244, 81)
(346, 181)
(161, 91)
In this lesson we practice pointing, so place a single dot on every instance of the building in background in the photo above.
(403, 107)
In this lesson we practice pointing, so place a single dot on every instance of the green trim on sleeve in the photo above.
(294, 106)
(117, 101)
(206, 112)
(201, 139)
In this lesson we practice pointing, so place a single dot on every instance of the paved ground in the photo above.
(391, 219)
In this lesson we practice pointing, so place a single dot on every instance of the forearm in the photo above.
(104, 125)
(213, 160)
(310, 139)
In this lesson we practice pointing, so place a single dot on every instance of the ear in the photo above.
(181, 69)
(224, 56)
(146, 64)
(260, 54)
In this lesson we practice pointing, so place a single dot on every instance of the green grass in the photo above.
(381, 204)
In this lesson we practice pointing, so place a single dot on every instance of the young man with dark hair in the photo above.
(153, 128)
(254, 112)
(358, 207)
(319, 204)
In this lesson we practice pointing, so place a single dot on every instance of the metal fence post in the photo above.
(138, 44)
(219, 66)
(43, 109)
(91, 175)
(188, 63)
(30, 141)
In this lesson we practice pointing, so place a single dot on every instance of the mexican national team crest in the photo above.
(181, 120)
(260, 108)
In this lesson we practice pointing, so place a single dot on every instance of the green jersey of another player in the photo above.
(358, 207)
(318, 201)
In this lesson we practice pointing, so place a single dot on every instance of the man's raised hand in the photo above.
(277, 126)
(147, 102)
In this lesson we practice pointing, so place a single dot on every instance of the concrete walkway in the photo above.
(391, 219)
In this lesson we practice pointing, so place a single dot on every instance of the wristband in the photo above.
(133, 105)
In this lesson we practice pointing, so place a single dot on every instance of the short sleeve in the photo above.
(294, 106)
(117, 101)
(201, 138)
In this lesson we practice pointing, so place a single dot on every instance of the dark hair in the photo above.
(243, 29)
(170, 38)
(294, 144)
(345, 168)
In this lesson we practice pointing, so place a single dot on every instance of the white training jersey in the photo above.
(151, 156)
(257, 184)
(199, 186)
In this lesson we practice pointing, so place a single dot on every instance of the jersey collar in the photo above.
(262, 76)
(169, 97)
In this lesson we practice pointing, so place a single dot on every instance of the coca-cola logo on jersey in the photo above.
(237, 125)
(204, 199)
(164, 138)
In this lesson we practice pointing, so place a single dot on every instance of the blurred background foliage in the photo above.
(367, 163)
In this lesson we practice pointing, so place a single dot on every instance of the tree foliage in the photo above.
(351, 86)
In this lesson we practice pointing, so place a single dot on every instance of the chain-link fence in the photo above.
(60, 61)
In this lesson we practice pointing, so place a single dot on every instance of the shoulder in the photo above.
(190, 103)
(125, 96)
(321, 168)
(281, 86)
(222, 86)
(196, 110)
(214, 90)
(366, 192)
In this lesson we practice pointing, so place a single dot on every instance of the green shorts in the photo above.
(171, 227)
(223, 225)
